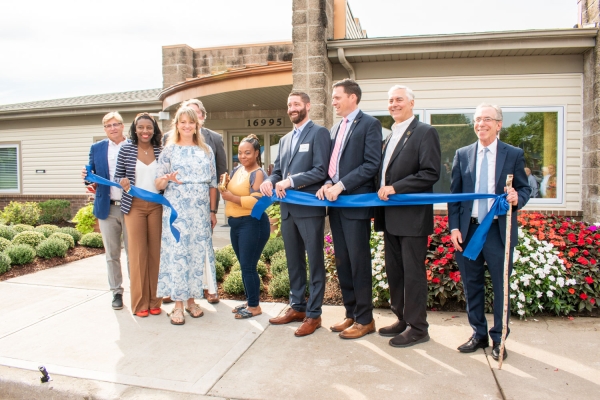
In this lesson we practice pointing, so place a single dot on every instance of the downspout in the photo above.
(346, 64)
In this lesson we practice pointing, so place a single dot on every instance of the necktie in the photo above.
(336, 149)
(295, 136)
(483, 186)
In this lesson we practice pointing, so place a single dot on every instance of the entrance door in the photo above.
(269, 148)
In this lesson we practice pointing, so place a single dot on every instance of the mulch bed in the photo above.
(40, 264)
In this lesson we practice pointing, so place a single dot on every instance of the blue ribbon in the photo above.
(139, 193)
(500, 207)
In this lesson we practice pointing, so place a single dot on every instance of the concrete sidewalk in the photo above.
(61, 318)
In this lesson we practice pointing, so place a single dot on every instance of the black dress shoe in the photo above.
(409, 338)
(474, 344)
(393, 330)
(117, 302)
(496, 351)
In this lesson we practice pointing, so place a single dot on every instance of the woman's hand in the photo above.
(125, 184)
(172, 177)
(213, 220)
(227, 195)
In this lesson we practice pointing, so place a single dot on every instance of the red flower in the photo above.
(582, 261)
(586, 253)
(571, 237)
(444, 261)
(582, 296)
(437, 231)
(449, 256)
(429, 244)
(455, 276)
(440, 249)
(589, 280)
(436, 280)
(593, 261)
(593, 300)
(442, 270)
(571, 290)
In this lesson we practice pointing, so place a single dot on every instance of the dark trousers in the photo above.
(248, 238)
(353, 262)
(302, 236)
(407, 277)
(472, 274)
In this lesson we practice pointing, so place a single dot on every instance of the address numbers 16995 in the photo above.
(257, 122)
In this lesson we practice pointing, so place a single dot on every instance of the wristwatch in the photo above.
(213, 211)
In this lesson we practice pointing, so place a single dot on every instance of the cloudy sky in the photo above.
(64, 48)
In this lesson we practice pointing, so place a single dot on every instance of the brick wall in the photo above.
(76, 201)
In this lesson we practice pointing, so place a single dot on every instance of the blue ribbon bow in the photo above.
(500, 207)
(139, 193)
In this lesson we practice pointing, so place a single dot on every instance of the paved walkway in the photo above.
(61, 318)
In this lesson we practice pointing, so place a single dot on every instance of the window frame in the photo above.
(385, 113)
(17, 146)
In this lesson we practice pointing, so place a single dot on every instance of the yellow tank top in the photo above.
(241, 185)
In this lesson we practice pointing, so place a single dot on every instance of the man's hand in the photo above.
(281, 186)
(266, 188)
(125, 184)
(333, 192)
(321, 192)
(513, 197)
(385, 192)
(456, 239)
(83, 173)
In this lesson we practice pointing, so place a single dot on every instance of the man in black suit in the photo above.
(302, 165)
(411, 164)
(482, 167)
(355, 158)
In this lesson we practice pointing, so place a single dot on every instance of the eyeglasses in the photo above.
(115, 125)
(486, 119)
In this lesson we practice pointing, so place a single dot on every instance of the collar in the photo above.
(352, 116)
(301, 127)
(400, 127)
(121, 143)
(492, 147)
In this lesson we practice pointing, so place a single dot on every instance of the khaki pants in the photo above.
(144, 229)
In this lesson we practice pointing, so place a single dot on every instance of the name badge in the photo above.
(303, 148)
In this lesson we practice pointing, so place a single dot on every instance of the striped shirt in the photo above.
(126, 162)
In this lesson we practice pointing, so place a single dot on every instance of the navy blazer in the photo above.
(308, 169)
(98, 160)
(359, 160)
(509, 160)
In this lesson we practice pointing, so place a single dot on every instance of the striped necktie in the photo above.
(336, 149)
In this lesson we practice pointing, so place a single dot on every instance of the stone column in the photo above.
(312, 26)
(178, 64)
(590, 13)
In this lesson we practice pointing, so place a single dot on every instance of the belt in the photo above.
(476, 221)
(115, 202)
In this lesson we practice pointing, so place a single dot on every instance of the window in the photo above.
(9, 168)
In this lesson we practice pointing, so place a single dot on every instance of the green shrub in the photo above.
(7, 232)
(4, 263)
(54, 247)
(20, 254)
(85, 219)
(65, 237)
(235, 267)
(31, 238)
(278, 266)
(280, 285)
(4, 243)
(220, 271)
(233, 284)
(21, 213)
(280, 255)
(47, 230)
(55, 211)
(273, 246)
(226, 256)
(75, 234)
(93, 239)
(22, 228)
(261, 267)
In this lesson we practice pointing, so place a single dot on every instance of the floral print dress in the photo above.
(187, 267)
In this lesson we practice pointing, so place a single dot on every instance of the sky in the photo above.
(65, 48)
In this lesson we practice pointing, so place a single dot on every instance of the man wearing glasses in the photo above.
(103, 160)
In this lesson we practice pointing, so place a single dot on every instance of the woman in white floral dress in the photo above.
(187, 173)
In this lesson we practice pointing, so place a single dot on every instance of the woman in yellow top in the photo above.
(248, 235)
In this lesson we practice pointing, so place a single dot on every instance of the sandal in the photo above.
(177, 313)
(240, 307)
(244, 313)
(194, 310)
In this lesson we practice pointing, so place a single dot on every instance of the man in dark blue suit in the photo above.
(482, 168)
(107, 203)
(355, 159)
(302, 165)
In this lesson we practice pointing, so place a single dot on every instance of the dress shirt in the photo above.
(299, 129)
(350, 120)
(491, 158)
(398, 130)
(113, 152)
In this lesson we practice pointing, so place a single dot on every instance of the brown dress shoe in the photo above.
(167, 300)
(290, 315)
(309, 325)
(340, 326)
(211, 298)
(358, 330)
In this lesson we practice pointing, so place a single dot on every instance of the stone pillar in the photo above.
(312, 26)
(590, 13)
(178, 64)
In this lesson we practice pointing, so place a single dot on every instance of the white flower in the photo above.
(386, 285)
(378, 277)
(512, 295)
(549, 293)
(538, 294)
(520, 305)
(381, 284)
(560, 281)
(521, 312)
(380, 247)
(514, 286)
(521, 296)
(540, 306)
(537, 282)
(373, 272)
(552, 287)
(552, 278)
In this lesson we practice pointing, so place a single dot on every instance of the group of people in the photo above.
(349, 159)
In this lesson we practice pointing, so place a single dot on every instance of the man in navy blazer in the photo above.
(482, 167)
(354, 162)
(103, 160)
(302, 165)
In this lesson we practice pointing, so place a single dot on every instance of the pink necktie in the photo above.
(336, 149)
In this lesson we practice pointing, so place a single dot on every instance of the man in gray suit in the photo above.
(302, 165)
